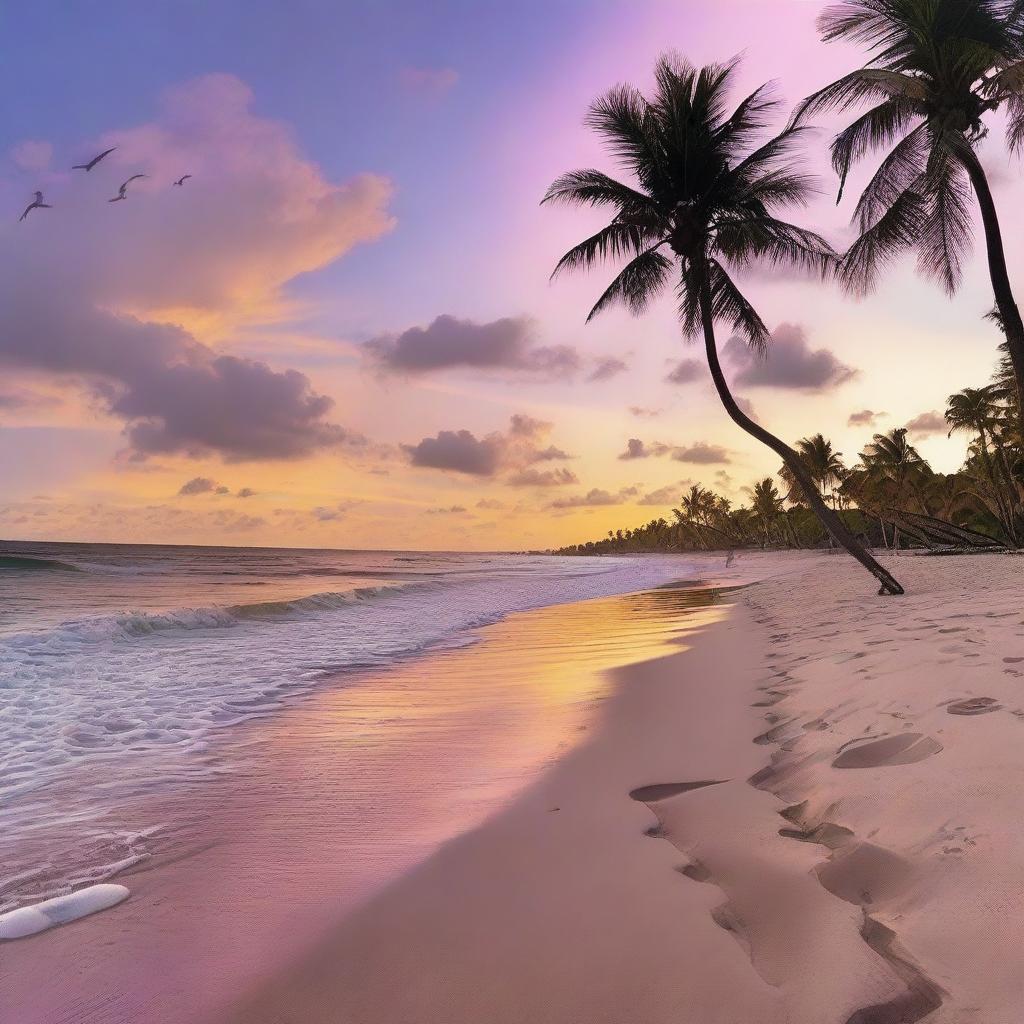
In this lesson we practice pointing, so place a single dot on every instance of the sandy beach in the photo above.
(823, 827)
(795, 805)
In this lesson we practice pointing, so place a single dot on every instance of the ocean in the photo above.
(126, 669)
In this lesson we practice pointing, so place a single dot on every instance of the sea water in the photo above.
(123, 668)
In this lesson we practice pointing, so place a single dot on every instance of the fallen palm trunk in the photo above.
(936, 534)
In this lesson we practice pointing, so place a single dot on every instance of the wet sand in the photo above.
(341, 794)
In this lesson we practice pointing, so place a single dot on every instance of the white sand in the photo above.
(893, 894)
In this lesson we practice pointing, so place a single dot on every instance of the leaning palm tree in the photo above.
(937, 69)
(707, 193)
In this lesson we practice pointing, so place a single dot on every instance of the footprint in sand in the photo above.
(905, 748)
(663, 790)
(974, 706)
(695, 871)
(865, 874)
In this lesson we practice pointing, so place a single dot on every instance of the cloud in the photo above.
(429, 81)
(461, 451)
(173, 393)
(452, 510)
(450, 343)
(701, 452)
(491, 503)
(23, 398)
(112, 316)
(635, 449)
(245, 492)
(927, 424)
(746, 406)
(329, 513)
(864, 418)
(198, 485)
(641, 412)
(594, 498)
(541, 478)
(665, 496)
(529, 427)
(685, 371)
(32, 154)
(790, 363)
(607, 368)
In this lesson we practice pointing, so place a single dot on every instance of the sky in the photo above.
(340, 330)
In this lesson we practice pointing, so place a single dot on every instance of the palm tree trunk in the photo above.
(1009, 314)
(830, 520)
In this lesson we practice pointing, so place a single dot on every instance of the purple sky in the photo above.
(346, 311)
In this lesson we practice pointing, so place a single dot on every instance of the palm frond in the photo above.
(750, 118)
(636, 284)
(614, 241)
(896, 173)
(729, 304)
(776, 242)
(587, 187)
(856, 22)
(858, 87)
(874, 129)
(897, 230)
(623, 117)
(946, 230)
(1015, 124)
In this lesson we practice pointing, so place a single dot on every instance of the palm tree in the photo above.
(896, 467)
(766, 504)
(824, 464)
(979, 411)
(704, 191)
(937, 69)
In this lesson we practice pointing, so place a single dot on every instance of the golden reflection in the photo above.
(468, 728)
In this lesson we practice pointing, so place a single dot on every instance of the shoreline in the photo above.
(800, 809)
(659, 891)
(828, 836)
(281, 851)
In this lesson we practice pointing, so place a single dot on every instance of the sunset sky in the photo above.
(340, 331)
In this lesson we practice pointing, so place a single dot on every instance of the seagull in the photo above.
(122, 192)
(183, 179)
(94, 161)
(37, 205)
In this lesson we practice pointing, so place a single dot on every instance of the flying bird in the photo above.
(122, 192)
(183, 179)
(37, 205)
(94, 161)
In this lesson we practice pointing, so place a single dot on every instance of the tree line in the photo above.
(708, 184)
(890, 498)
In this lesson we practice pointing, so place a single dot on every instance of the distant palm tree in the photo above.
(766, 504)
(703, 192)
(896, 467)
(938, 67)
(979, 411)
(824, 464)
